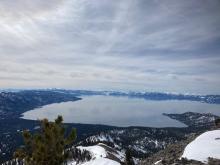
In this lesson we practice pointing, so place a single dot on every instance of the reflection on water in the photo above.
(120, 111)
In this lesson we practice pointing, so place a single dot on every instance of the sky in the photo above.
(141, 45)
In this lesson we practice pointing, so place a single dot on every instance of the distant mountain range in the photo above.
(15, 102)
(211, 99)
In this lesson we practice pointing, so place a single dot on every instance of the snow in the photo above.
(98, 156)
(204, 146)
(101, 138)
(96, 151)
(101, 161)
(157, 162)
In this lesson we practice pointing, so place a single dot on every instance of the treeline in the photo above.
(78, 155)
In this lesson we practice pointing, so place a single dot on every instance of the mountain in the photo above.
(194, 119)
(100, 154)
(205, 146)
(210, 99)
(142, 141)
(196, 150)
(13, 104)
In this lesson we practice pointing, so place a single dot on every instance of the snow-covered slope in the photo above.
(101, 161)
(101, 154)
(140, 141)
(96, 161)
(204, 146)
(96, 150)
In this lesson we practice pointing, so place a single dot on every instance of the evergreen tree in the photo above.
(217, 123)
(128, 158)
(48, 146)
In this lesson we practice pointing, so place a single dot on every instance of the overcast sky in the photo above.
(151, 45)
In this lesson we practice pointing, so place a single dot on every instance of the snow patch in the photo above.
(157, 162)
(96, 151)
(99, 155)
(204, 146)
(101, 161)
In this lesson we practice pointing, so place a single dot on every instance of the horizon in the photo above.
(110, 90)
(163, 46)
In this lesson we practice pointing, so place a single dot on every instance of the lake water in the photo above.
(120, 111)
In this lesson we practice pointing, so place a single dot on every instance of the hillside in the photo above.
(196, 150)
(13, 104)
(205, 146)
(101, 154)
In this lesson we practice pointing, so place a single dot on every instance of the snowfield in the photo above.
(98, 161)
(96, 151)
(204, 146)
(99, 156)
(101, 161)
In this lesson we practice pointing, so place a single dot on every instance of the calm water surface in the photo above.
(120, 111)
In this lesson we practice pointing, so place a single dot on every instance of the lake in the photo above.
(120, 111)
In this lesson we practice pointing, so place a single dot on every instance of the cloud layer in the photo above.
(124, 44)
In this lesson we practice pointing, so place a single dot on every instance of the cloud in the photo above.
(138, 45)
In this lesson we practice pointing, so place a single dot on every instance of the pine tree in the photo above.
(217, 123)
(128, 158)
(48, 146)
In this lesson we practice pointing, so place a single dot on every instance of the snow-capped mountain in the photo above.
(211, 99)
